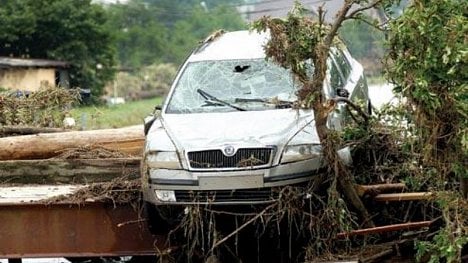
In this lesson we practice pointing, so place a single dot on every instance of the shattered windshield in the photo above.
(230, 85)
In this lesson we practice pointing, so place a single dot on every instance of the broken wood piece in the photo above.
(378, 188)
(55, 171)
(383, 229)
(46, 145)
(403, 197)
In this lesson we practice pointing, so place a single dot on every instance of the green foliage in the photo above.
(442, 247)
(154, 79)
(450, 240)
(293, 45)
(149, 32)
(427, 62)
(69, 30)
(365, 42)
(141, 37)
(429, 53)
(196, 26)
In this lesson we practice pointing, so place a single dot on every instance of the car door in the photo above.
(355, 85)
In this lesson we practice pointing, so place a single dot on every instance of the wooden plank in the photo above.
(28, 194)
(378, 188)
(78, 171)
(403, 197)
(382, 229)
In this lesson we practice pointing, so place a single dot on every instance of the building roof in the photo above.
(7, 62)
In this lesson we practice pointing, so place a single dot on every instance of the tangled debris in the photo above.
(118, 191)
(46, 107)
(90, 152)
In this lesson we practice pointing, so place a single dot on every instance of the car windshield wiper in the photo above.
(212, 100)
(279, 104)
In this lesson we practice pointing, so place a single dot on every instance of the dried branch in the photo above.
(241, 227)
(382, 229)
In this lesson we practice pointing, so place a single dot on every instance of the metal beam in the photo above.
(70, 230)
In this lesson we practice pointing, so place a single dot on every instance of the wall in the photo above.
(29, 79)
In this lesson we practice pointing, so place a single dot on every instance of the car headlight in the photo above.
(165, 160)
(165, 195)
(294, 153)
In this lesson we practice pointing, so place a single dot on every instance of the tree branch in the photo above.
(359, 10)
(353, 105)
(378, 27)
(340, 17)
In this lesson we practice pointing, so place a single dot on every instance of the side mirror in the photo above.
(149, 120)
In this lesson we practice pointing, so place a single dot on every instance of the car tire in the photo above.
(157, 225)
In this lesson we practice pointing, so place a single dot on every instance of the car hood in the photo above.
(242, 128)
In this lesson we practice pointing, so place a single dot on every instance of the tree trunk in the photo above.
(322, 108)
(379, 188)
(41, 146)
(76, 171)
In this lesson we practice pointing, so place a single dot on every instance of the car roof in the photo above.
(231, 45)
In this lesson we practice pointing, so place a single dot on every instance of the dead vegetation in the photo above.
(46, 107)
(121, 190)
(90, 152)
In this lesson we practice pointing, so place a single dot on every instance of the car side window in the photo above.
(342, 63)
(336, 79)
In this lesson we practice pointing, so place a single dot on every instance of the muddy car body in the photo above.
(228, 132)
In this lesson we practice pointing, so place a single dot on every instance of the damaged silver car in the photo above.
(228, 132)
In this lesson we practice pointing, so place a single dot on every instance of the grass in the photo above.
(113, 116)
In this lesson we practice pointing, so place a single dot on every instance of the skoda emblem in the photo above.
(229, 150)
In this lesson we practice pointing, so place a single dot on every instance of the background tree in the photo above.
(140, 34)
(69, 30)
(366, 43)
(165, 31)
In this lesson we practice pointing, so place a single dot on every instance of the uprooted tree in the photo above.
(301, 42)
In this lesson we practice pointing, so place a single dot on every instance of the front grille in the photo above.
(243, 158)
(226, 196)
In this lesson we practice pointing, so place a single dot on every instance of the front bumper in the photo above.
(233, 187)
